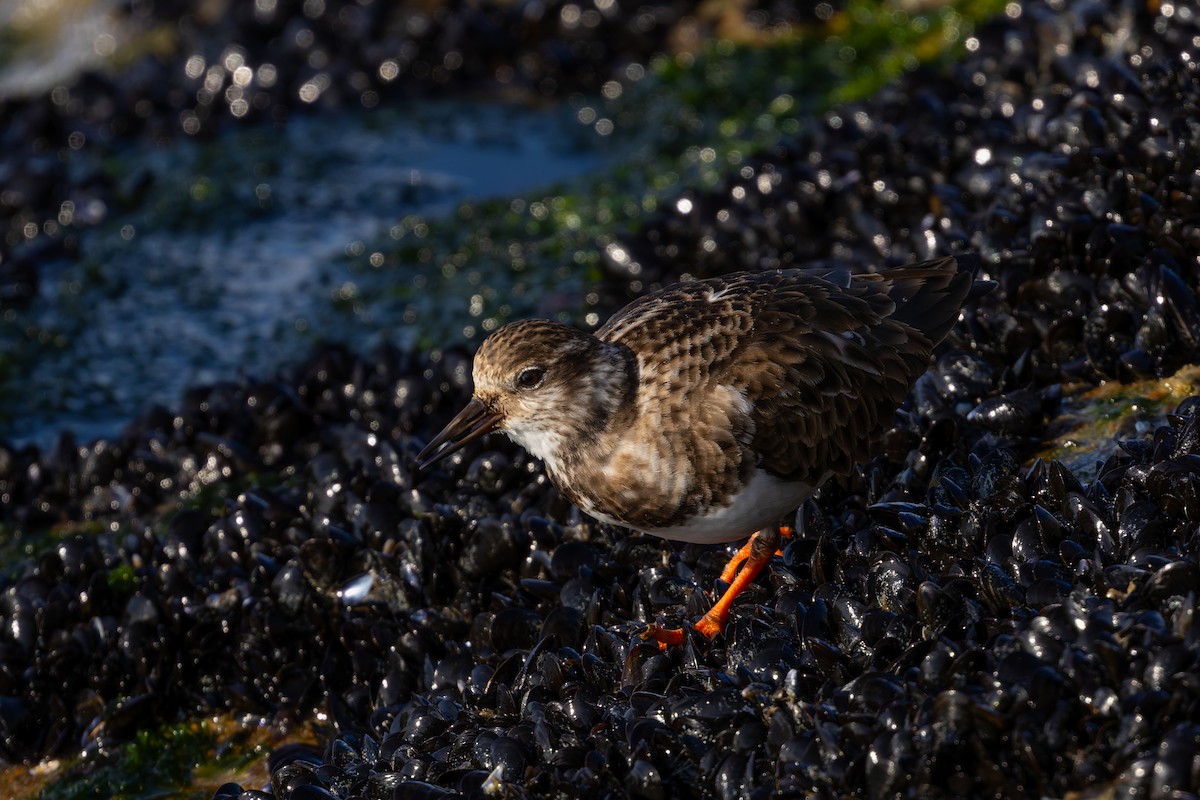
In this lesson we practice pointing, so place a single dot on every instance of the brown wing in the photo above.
(822, 358)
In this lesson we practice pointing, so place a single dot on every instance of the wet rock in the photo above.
(956, 618)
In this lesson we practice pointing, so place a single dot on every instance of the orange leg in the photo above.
(731, 567)
(751, 559)
(666, 637)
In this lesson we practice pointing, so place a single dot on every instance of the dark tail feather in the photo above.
(929, 295)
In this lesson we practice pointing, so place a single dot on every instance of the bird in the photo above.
(708, 410)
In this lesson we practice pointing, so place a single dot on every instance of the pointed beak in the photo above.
(472, 422)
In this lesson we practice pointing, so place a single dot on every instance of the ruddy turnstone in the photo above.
(707, 410)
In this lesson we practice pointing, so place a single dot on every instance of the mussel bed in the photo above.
(955, 621)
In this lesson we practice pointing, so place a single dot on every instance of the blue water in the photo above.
(238, 254)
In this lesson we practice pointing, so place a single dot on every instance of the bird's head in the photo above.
(549, 386)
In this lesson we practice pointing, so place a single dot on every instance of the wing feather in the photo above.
(819, 359)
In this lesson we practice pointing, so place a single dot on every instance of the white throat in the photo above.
(541, 441)
(543, 435)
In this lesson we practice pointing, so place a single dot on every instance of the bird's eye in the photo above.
(530, 377)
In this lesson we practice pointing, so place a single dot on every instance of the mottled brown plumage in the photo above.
(707, 410)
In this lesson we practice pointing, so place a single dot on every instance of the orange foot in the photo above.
(666, 637)
(752, 557)
(731, 567)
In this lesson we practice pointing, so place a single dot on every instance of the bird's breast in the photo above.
(749, 506)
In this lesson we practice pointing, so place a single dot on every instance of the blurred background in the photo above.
(194, 190)
(202, 192)
(248, 246)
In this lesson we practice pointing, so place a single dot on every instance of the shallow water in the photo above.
(234, 255)
(44, 43)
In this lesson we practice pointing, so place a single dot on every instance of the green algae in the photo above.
(184, 760)
(1091, 422)
(230, 255)
(739, 98)
(123, 579)
(449, 276)
(241, 252)
(685, 125)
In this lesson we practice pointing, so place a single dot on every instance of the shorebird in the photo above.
(706, 411)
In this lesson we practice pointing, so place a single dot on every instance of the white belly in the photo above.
(762, 502)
